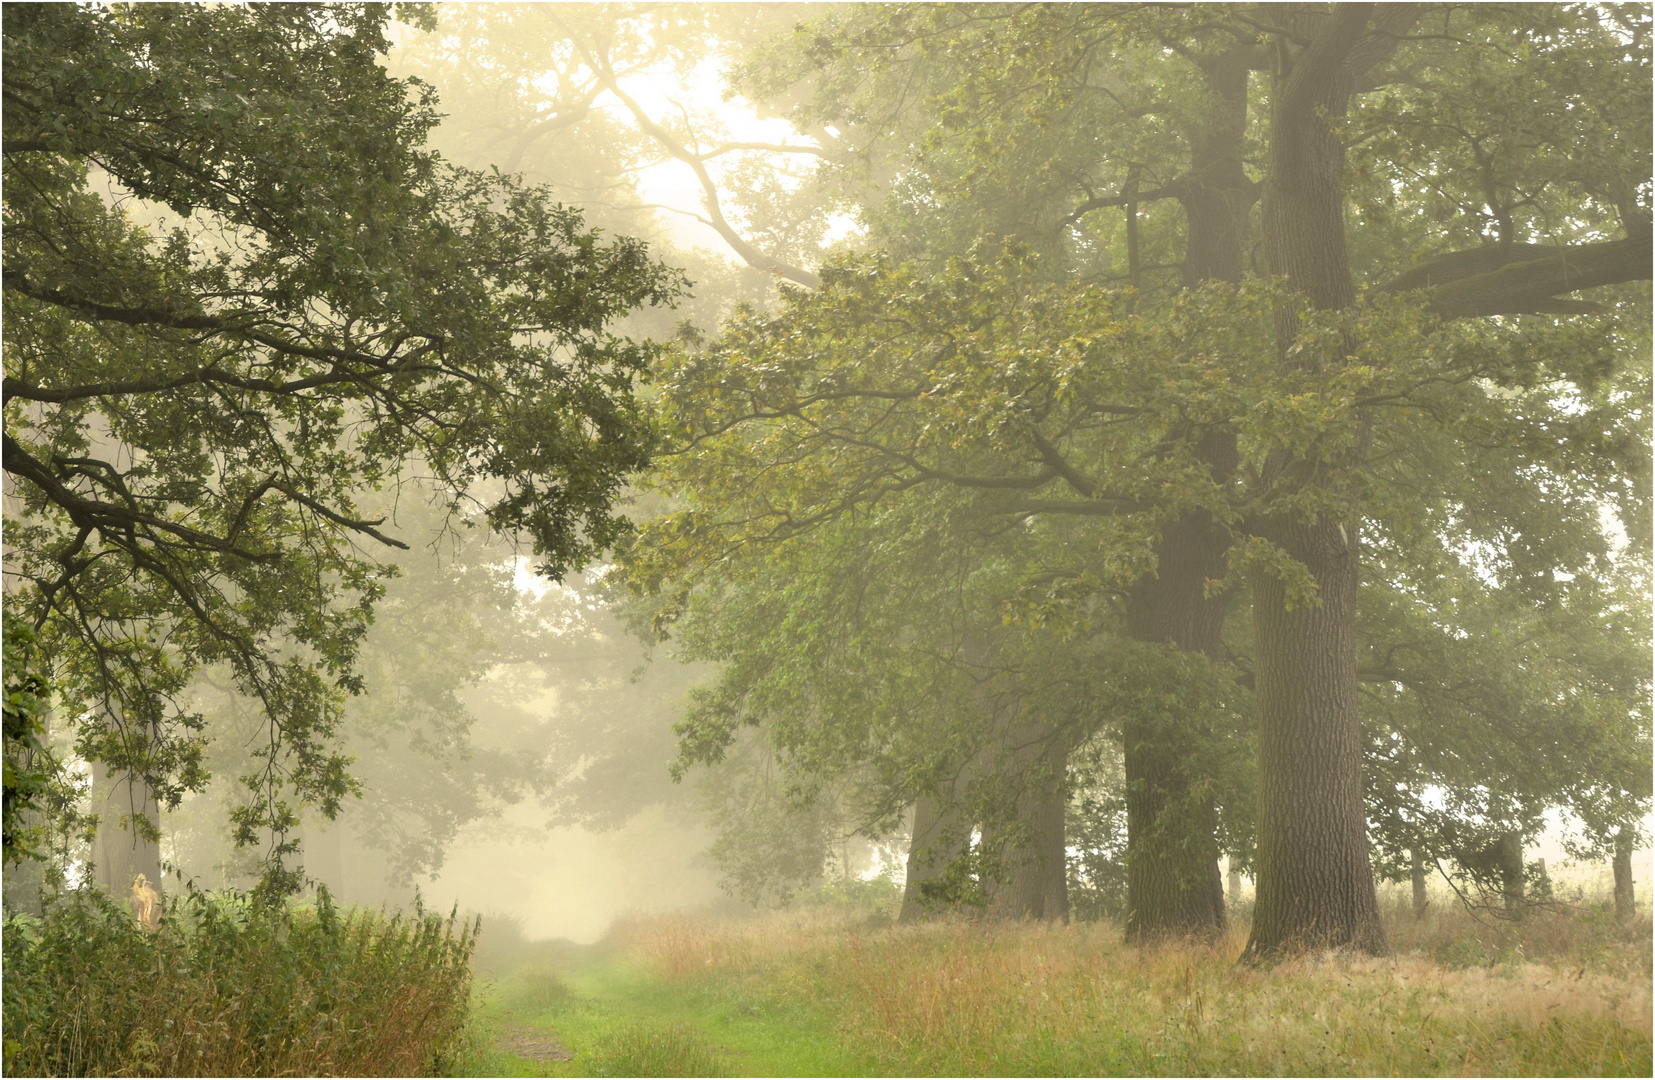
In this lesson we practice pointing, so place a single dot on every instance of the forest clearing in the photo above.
(1028, 538)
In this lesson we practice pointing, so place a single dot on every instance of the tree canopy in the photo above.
(1225, 335)
(241, 299)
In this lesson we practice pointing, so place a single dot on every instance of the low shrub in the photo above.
(877, 897)
(230, 987)
(656, 1050)
(536, 989)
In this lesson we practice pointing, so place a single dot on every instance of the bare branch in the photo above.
(1060, 465)
(772, 148)
(1170, 190)
(738, 243)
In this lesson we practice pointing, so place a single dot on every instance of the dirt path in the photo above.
(534, 1043)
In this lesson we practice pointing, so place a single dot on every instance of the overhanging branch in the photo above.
(1523, 279)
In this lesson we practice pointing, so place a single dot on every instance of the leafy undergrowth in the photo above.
(227, 987)
(831, 992)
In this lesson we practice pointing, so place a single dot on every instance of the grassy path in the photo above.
(588, 1011)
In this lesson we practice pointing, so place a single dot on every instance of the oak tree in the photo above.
(241, 298)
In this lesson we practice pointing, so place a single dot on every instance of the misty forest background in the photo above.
(1066, 462)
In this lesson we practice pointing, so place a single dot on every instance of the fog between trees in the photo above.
(1108, 444)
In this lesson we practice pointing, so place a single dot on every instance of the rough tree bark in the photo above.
(1172, 879)
(1315, 883)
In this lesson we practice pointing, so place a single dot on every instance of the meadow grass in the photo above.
(835, 992)
(229, 987)
(614, 1015)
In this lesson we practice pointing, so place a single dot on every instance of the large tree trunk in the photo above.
(1032, 879)
(1416, 877)
(1315, 883)
(1172, 879)
(1216, 195)
(1172, 883)
(941, 835)
(1626, 907)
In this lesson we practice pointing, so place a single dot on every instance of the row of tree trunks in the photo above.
(1173, 885)
(1011, 800)
(1173, 882)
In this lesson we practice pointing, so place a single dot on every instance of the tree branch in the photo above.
(1102, 506)
(88, 513)
(738, 243)
(1324, 56)
(1060, 465)
(773, 148)
(1390, 22)
(1171, 190)
(1520, 279)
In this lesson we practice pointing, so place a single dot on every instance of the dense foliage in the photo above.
(242, 302)
(229, 987)
(1266, 313)
(28, 763)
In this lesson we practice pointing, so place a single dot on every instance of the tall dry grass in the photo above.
(226, 987)
(1562, 993)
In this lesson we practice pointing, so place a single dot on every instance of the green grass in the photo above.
(830, 992)
(618, 1017)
